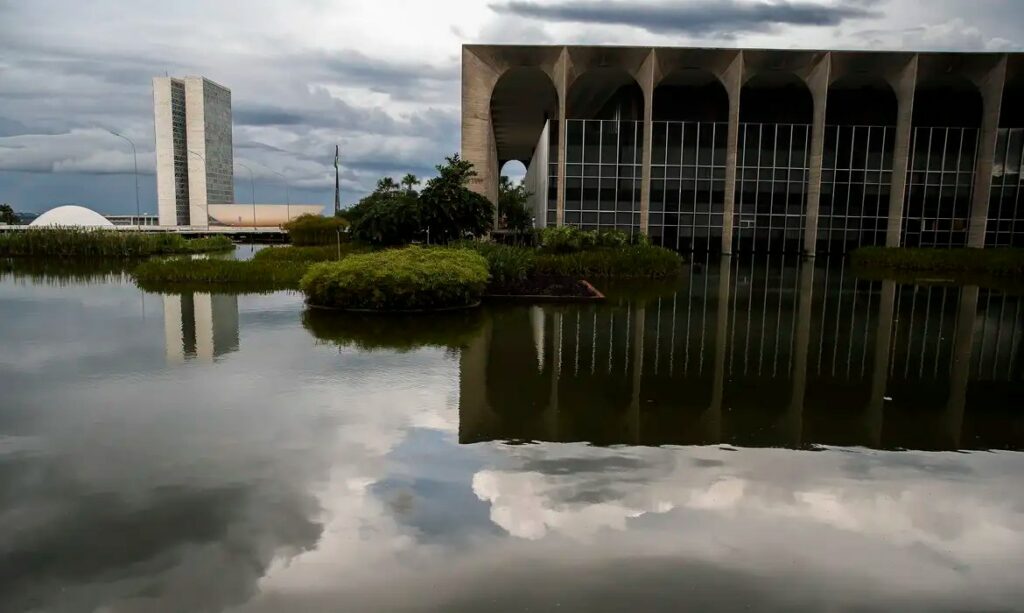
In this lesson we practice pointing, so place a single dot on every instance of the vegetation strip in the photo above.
(998, 262)
(76, 242)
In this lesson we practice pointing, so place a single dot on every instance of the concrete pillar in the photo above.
(733, 81)
(992, 100)
(647, 78)
(478, 144)
(817, 81)
(562, 69)
(904, 87)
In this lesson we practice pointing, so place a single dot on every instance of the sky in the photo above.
(380, 79)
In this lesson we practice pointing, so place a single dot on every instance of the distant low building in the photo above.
(259, 215)
(133, 220)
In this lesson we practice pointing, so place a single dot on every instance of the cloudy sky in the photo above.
(381, 79)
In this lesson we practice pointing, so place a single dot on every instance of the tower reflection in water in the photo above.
(769, 352)
(199, 326)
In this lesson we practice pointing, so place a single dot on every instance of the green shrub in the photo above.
(634, 261)
(448, 209)
(77, 242)
(177, 274)
(315, 230)
(994, 262)
(570, 239)
(392, 219)
(394, 331)
(308, 255)
(412, 278)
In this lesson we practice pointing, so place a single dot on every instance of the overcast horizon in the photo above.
(379, 79)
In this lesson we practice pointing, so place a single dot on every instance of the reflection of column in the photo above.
(963, 343)
(639, 319)
(733, 79)
(647, 85)
(794, 415)
(551, 414)
(474, 413)
(713, 419)
(901, 151)
(883, 339)
(174, 346)
(537, 322)
(817, 81)
(992, 100)
(204, 327)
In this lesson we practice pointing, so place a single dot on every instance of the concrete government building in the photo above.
(739, 150)
(194, 160)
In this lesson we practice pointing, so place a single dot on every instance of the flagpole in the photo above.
(337, 183)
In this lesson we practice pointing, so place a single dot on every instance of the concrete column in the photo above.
(478, 145)
(733, 81)
(992, 101)
(818, 82)
(647, 72)
(562, 69)
(905, 86)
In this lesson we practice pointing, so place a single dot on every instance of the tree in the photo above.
(448, 209)
(512, 206)
(386, 185)
(409, 182)
(388, 218)
(7, 215)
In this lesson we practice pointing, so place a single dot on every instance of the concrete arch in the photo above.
(776, 97)
(522, 100)
(690, 94)
(605, 92)
(863, 99)
(951, 100)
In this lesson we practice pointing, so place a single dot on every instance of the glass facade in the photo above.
(181, 213)
(855, 187)
(687, 184)
(1005, 227)
(940, 181)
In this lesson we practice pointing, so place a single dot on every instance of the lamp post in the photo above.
(135, 159)
(207, 215)
(252, 183)
(287, 193)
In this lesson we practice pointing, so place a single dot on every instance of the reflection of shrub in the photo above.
(315, 230)
(66, 242)
(412, 278)
(394, 331)
(510, 265)
(995, 262)
(176, 274)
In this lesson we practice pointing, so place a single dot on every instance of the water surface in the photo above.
(762, 434)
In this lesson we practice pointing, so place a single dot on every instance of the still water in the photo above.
(762, 434)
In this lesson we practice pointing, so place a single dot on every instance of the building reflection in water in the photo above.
(199, 326)
(765, 352)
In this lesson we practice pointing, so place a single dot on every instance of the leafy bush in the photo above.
(177, 274)
(392, 218)
(994, 262)
(67, 242)
(449, 210)
(561, 239)
(508, 265)
(634, 261)
(412, 278)
(570, 239)
(396, 331)
(307, 255)
(513, 207)
(315, 230)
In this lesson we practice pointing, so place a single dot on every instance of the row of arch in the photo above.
(524, 98)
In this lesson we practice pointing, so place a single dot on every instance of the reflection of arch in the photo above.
(776, 97)
(522, 100)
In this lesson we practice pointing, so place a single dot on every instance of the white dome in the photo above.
(71, 216)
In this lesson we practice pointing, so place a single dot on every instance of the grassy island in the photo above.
(76, 242)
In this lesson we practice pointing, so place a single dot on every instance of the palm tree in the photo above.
(387, 185)
(409, 181)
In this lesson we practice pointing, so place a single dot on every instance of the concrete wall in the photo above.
(164, 132)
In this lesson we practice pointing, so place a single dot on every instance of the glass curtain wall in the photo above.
(855, 185)
(771, 186)
(603, 174)
(687, 184)
(939, 186)
(1005, 228)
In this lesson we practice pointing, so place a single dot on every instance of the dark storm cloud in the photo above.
(701, 17)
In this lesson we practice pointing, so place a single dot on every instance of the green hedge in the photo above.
(211, 275)
(307, 230)
(412, 278)
(395, 331)
(307, 255)
(76, 242)
(992, 262)
(510, 265)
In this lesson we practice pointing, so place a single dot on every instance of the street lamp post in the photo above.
(252, 183)
(135, 159)
(287, 194)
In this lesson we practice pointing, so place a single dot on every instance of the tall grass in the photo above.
(306, 230)
(252, 276)
(72, 242)
(308, 255)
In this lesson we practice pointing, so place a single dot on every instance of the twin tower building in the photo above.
(194, 162)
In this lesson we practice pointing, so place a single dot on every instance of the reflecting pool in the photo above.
(765, 433)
